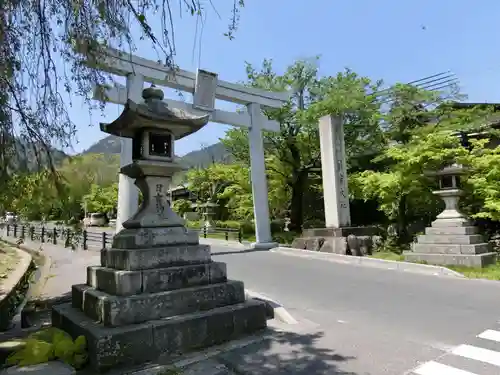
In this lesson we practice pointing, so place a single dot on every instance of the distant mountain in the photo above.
(215, 153)
(109, 145)
(27, 160)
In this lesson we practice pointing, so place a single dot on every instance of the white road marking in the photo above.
(479, 354)
(490, 334)
(435, 368)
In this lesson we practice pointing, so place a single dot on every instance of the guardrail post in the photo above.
(15, 230)
(42, 235)
(104, 239)
(227, 234)
(8, 230)
(32, 233)
(23, 232)
(204, 232)
(84, 240)
(54, 236)
(240, 235)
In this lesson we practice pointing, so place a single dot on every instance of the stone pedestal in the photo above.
(451, 240)
(344, 240)
(156, 291)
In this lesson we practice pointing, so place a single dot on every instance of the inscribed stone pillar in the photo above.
(334, 172)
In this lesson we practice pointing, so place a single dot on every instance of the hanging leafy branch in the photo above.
(41, 67)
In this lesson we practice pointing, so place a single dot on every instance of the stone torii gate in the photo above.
(205, 87)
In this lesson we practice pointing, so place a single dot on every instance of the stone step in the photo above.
(156, 257)
(456, 239)
(425, 248)
(439, 223)
(114, 311)
(126, 283)
(451, 230)
(139, 238)
(119, 347)
(466, 260)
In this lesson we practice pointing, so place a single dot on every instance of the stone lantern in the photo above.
(452, 239)
(450, 191)
(208, 212)
(157, 291)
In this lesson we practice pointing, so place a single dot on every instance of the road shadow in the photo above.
(287, 353)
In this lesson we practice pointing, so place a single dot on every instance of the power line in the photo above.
(435, 82)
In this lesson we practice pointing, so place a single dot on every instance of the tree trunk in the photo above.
(297, 201)
(402, 224)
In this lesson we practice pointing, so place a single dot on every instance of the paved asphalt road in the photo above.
(383, 321)
(378, 322)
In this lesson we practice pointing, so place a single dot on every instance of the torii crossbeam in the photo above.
(205, 87)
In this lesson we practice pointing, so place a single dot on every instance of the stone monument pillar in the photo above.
(452, 239)
(338, 236)
(157, 290)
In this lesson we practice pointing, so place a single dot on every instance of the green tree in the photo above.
(482, 195)
(419, 140)
(79, 174)
(33, 196)
(403, 191)
(295, 149)
(101, 199)
(208, 183)
(181, 206)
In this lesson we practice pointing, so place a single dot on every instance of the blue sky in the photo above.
(397, 41)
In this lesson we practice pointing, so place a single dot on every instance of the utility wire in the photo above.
(435, 82)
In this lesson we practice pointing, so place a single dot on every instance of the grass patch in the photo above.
(491, 272)
(9, 259)
(386, 255)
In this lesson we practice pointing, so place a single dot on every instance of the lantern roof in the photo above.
(153, 114)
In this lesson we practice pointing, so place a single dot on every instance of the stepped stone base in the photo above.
(479, 260)
(112, 347)
(451, 242)
(143, 302)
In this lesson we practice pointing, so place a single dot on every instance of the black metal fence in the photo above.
(85, 239)
(66, 237)
(222, 233)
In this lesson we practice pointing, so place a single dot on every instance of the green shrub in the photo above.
(247, 228)
(231, 224)
(181, 206)
(194, 224)
(277, 225)
(285, 238)
(49, 344)
(313, 223)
